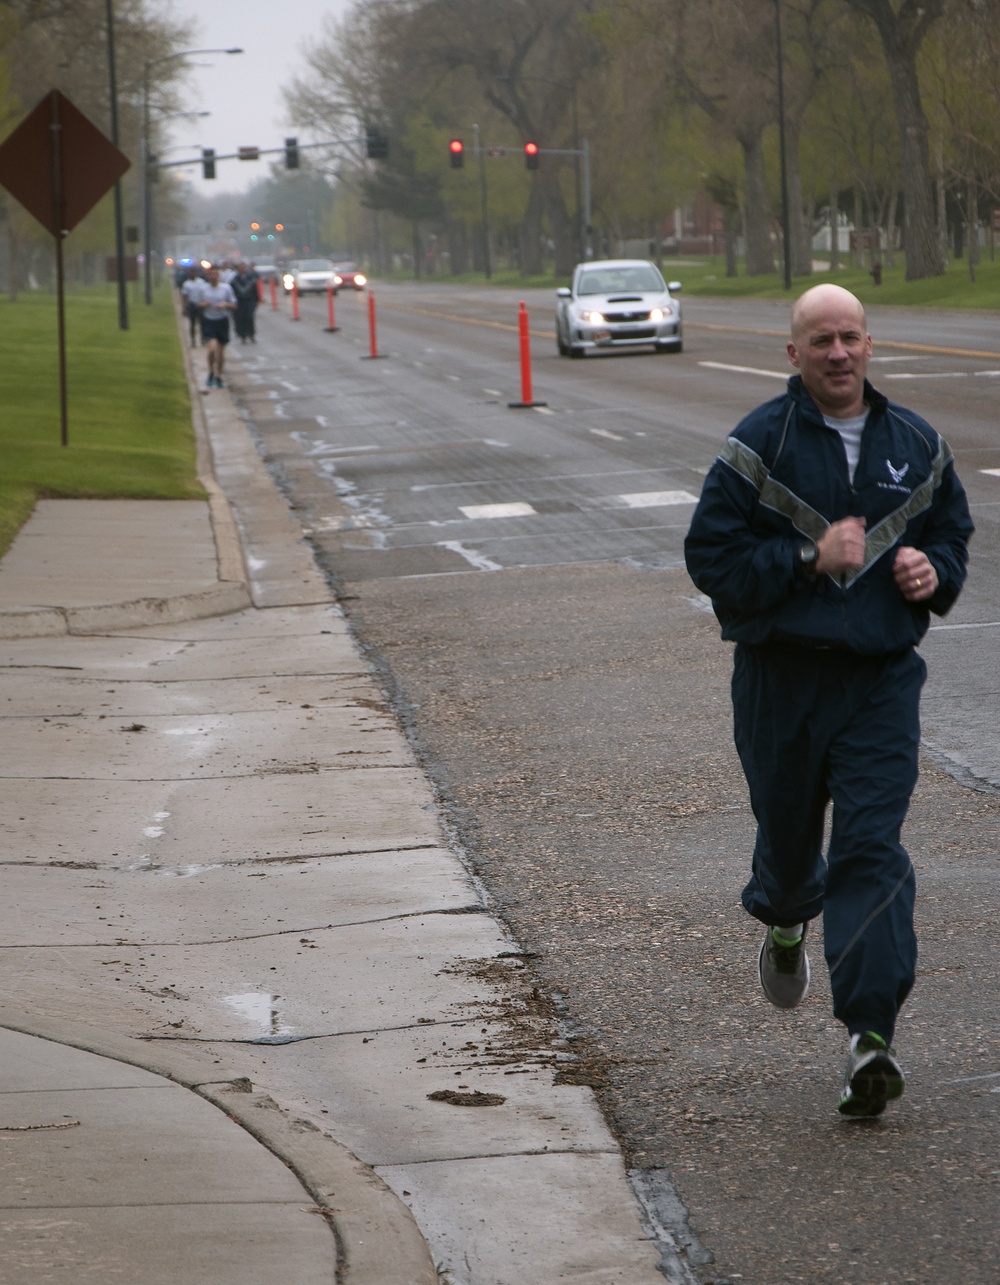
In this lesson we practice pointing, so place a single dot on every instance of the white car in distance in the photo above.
(311, 276)
(618, 303)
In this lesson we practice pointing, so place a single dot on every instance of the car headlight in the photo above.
(595, 318)
(656, 314)
(288, 281)
(360, 279)
(338, 281)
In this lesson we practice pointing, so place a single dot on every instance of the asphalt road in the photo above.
(517, 578)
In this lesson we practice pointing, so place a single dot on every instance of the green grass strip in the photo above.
(129, 422)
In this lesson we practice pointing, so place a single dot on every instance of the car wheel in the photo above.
(576, 352)
(561, 344)
(670, 347)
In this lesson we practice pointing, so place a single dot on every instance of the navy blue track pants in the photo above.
(815, 726)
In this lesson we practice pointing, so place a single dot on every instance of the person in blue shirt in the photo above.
(830, 526)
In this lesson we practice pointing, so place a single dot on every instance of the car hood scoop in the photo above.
(624, 298)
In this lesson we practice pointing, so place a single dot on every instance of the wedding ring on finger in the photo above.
(917, 582)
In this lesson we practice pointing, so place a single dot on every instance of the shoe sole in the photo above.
(875, 1085)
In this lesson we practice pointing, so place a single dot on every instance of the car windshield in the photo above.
(640, 276)
(315, 265)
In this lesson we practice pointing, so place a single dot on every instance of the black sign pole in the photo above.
(58, 219)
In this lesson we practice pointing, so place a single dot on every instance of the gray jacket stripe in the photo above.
(772, 494)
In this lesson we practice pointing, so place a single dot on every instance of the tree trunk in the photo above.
(730, 232)
(834, 223)
(562, 229)
(757, 223)
(458, 247)
(418, 253)
(972, 219)
(902, 34)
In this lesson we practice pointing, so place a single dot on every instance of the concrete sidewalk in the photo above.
(229, 898)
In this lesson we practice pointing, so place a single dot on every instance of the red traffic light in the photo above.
(531, 156)
(457, 149)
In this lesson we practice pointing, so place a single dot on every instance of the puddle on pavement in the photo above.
(260, 1011)
(146, 865)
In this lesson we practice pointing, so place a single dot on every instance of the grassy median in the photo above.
(130, 432)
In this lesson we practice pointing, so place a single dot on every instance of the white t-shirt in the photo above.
(850, 431)
(213, 296)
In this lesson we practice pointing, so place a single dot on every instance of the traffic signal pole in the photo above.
(483, 203)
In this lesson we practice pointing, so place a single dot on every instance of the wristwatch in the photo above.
(808, 557)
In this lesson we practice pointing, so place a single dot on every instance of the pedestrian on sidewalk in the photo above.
(247, 294)
(216, 301)
(828, 528)
(191, 288)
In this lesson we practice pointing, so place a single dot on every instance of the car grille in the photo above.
(645, 332)
(627, 316)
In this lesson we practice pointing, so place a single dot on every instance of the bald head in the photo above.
(831, 348)
(819, 301)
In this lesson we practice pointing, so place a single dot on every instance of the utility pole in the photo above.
(484, 212)
(119, 214)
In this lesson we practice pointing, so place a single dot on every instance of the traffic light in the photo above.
(531, 156)
(254, 229)
(291, 153)
(208, 162)
(376, 144)
(457, 149)
(279, 227)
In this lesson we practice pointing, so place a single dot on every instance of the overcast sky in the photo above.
(243, 91)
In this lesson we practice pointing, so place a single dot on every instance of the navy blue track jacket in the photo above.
(782, 478)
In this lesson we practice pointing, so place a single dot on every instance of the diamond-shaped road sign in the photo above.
(58, 164)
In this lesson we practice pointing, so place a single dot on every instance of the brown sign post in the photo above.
(59, 165)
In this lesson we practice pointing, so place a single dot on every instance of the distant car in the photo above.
(618, 303)
(312, 276)
(349, 276)
(266, 271)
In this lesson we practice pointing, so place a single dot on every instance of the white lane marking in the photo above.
(472, 556)
(939, 374)
(517, 509)
(885, 359)
(987, 374)
(292, 388)
(606, 432)
(654, 499)
(543, 410)
(743, 370)
(322, 421)
(454, 379)
(992, 472)
(492, 392)
(983, 624)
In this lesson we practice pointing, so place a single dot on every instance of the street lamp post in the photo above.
(785, 219)
(119, 215)
(144, 156)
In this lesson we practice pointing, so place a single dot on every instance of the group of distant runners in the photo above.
(208, 301)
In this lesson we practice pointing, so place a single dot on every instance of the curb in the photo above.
(378, 1240)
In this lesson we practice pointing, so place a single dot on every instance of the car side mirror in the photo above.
(674, 287)
(564, 292)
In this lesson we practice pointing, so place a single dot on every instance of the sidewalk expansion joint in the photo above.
(123, 943)
(373, 1032)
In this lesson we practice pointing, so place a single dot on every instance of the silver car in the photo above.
(618, 303)
(312, 276)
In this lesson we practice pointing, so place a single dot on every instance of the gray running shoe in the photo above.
(784, 970)
(874, 1077)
